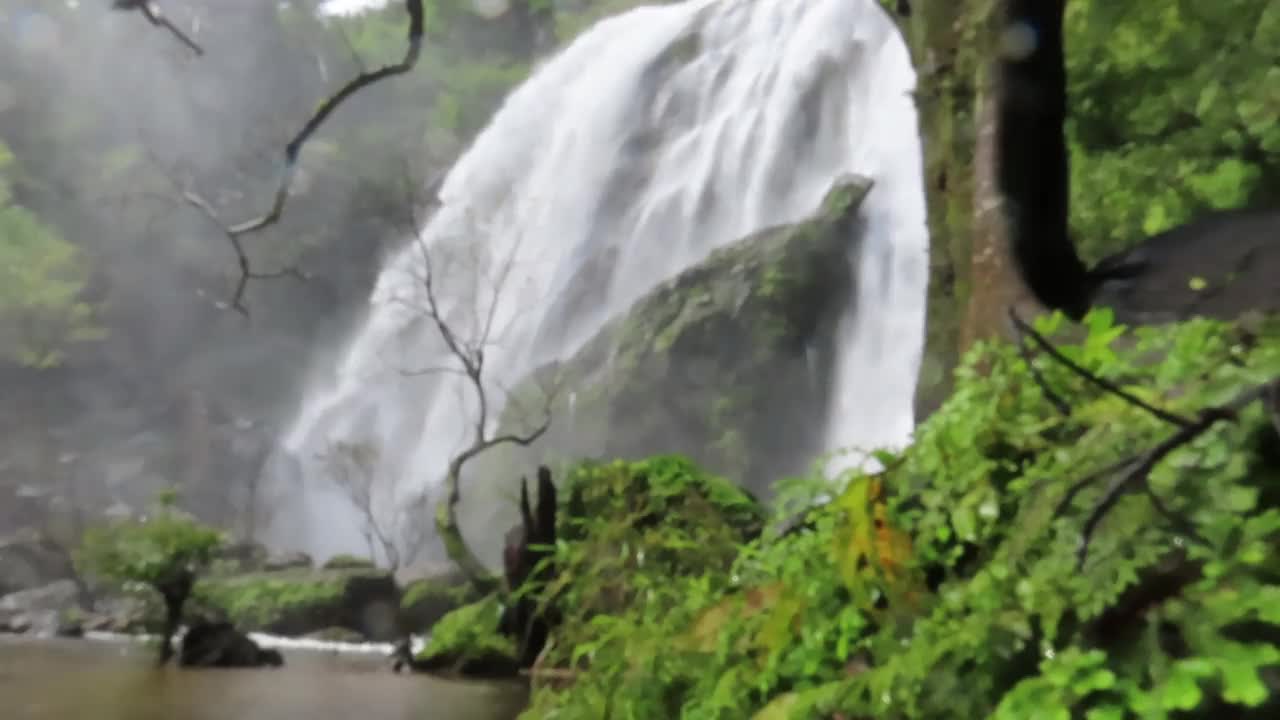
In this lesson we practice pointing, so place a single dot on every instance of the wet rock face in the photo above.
(728, 362)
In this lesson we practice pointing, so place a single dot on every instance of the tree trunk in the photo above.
(996, 283)
(971, 280)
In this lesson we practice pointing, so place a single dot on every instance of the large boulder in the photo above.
(298, 602)
(729, 362)
(30, 561)
(220, 644)
(46, 611)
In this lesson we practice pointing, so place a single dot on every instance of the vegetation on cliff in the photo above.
(953, 580)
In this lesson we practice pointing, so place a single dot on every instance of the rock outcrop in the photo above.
(727, 363)
(29, 561)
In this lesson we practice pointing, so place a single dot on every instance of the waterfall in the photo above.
(655, 137)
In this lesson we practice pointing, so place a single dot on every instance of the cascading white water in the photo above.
(654, 138)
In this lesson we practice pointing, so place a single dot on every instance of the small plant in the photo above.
(164, 551)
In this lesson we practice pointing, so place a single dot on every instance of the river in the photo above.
(110, 680)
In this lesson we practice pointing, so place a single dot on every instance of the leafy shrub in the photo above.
(149, 551)
(469, 632)
(948, 583)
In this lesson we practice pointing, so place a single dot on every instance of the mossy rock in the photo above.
(466, 642)
(426, 600)
(297, 602)
(348, 562)
(728, 363)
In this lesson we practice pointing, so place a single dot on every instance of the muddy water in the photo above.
(98, 680)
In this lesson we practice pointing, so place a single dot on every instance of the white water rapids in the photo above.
(654, 138)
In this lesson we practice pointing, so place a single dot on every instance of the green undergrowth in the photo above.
(470, 632)
(948, 583)
(257, 600)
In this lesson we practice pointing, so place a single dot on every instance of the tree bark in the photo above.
(971, 280)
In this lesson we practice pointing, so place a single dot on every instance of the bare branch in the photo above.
(1053, 397)
(151, 11)
(326, 108)
(246, 271)
(1146, 463)
(1089, 377)
(294, 147)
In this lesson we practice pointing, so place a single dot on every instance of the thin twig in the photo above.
(151, 11)
(294, 147)
(1081, 484)
(1102, 383)
(1054, 398)
(242, 258)
(1207, 419)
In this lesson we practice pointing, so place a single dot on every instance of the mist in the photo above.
(109, 121)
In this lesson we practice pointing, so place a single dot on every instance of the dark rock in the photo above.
(219, 644)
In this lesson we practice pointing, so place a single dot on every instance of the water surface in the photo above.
(93, 680)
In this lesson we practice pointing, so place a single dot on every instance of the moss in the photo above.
(297, 601)
(470, 632)
(425, 601)
(348, 562)
(255, 600)
(714, 361)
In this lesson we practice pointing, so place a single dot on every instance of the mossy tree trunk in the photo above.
(971, 280)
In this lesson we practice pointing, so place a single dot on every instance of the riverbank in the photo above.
(111, 677)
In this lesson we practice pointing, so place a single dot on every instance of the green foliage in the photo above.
(1173, 111)
(151, 551)
(469, 632)
(343, 561)
(258, 600)
(42, 277)
(945, 585)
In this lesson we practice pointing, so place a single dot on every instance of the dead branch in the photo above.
(1053, 397)
(294, 147)
(191, 199)
(1139, 475)
(1024, 328)
(151, 11)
